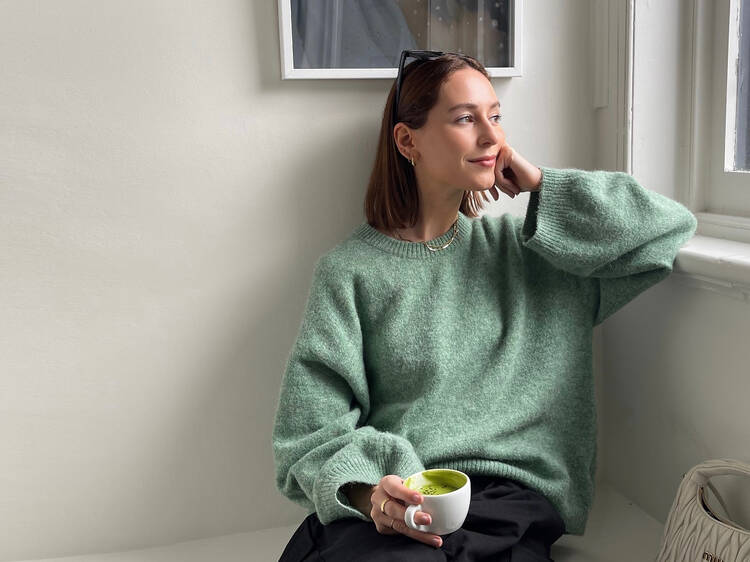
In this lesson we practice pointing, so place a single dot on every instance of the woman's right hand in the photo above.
(392, 521)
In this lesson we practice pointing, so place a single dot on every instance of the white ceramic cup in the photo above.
(447, 510)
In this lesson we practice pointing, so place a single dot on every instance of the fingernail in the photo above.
(437, 542)
(416, 498)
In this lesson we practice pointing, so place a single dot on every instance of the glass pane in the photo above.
(742, 154)
(372, 33)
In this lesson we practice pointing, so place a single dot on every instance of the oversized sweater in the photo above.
(477, 357)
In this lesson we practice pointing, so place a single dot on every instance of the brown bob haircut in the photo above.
(392, 198)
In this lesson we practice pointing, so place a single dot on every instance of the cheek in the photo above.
(448, 155)
(455, 141)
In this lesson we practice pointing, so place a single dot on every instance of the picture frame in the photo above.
(314, 43)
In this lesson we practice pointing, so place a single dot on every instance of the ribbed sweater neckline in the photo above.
(416, 250)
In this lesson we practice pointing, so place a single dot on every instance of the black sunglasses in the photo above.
(419, 55)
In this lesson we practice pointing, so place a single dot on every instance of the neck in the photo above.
(434, 220)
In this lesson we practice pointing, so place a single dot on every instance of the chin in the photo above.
(484, 183)
(486, 178)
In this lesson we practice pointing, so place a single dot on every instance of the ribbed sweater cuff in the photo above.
(366, 460)
(548, 213)
(548, 234)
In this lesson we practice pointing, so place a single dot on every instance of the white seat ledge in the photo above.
(617, 531)
(264, 545)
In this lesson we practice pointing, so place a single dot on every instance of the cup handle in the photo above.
(409, 518)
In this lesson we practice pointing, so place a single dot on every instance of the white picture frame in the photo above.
(289, 72)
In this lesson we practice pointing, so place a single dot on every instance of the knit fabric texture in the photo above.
(477, 357)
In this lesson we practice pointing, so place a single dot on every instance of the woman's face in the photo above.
(452, 136)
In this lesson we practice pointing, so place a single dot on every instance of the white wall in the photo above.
(165, 195)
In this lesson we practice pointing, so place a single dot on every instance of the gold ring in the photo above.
(382, 505)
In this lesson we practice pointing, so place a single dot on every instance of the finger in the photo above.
(392, 521)
(381, 518)
(508, 173)
(397, 511)
(510, 186)
(505, 155)
(394, 487)
(490, 192)
(505, 176)
(503, 162)
(383, 524)
(507, 192)
(384, 520)
(427, 538)
(504, 158)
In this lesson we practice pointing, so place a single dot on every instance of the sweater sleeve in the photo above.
(318, 441)
(605, 226)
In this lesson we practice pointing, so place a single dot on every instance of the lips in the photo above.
(485, 159)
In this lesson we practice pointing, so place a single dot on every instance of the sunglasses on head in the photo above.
(419, 55)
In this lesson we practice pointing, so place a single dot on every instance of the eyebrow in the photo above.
(472, 106)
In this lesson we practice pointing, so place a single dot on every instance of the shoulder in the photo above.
(354, 258)
(339, 265)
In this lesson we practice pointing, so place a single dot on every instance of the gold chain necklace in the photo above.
(444, 246)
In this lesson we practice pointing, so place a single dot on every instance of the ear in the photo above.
(404, 138)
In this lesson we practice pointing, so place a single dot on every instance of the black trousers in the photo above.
(507, 522)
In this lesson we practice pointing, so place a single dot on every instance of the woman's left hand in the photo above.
(513, 173)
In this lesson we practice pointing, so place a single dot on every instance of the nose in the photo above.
(490, 132)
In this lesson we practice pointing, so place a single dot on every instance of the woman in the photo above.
(433, 337)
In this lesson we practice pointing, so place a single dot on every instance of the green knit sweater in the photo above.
(477, 357)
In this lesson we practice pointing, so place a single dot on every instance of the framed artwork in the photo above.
(364, 38)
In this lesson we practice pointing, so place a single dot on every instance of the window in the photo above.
(720, 179)
(738, 84)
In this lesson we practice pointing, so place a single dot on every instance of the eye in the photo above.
(499, 117)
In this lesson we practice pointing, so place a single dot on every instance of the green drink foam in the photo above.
(436, 489)
(435, 482)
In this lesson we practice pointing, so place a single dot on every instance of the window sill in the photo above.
(715, 264)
